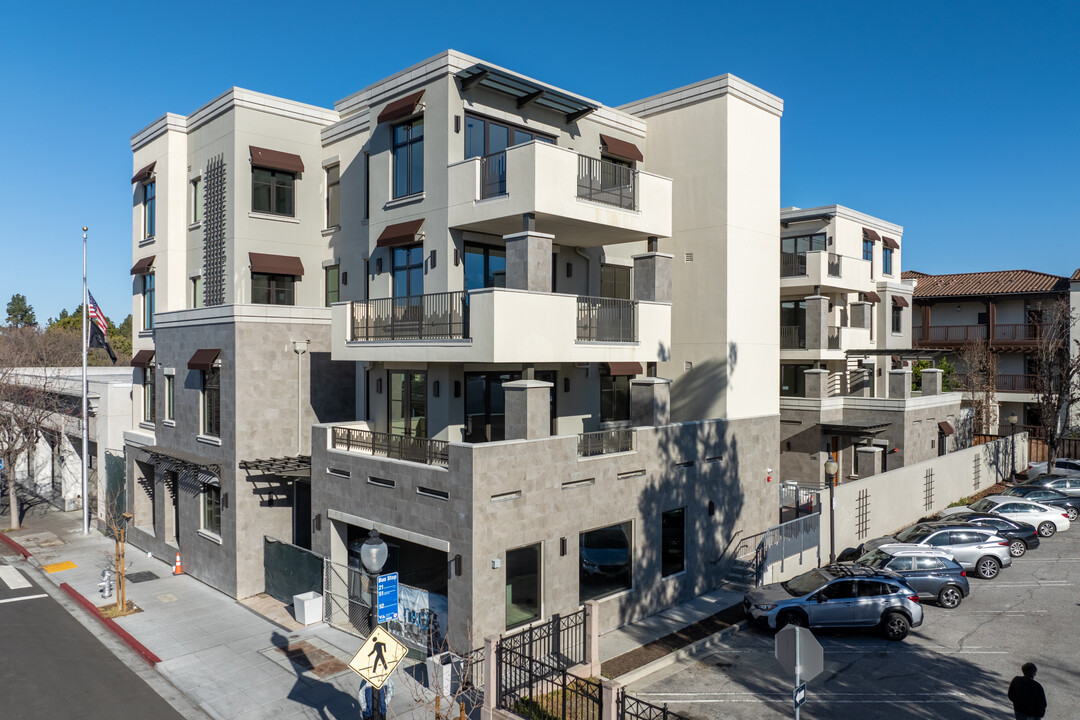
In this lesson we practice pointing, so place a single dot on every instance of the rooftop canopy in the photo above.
(525, 91)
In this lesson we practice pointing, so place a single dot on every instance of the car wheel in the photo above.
(988, 568)
(790, 618)
(1072, 513)
(950, 597)
(1017, 548)
(895, 626)
(1047, 529)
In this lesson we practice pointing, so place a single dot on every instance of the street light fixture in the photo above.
(1012, 438)
(831, 468)
(373, 556)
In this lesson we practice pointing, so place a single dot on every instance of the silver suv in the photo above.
(977, 549)
(839, 595)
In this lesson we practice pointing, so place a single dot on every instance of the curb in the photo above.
(703, 645)
(120, 632)
(15, 546)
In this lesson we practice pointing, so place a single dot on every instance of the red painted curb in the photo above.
(15, 546)
(111, 624)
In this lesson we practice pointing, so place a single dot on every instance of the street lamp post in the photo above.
(373, 557)
(831, 468)
(1012, 438)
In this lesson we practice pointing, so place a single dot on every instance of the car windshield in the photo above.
(806, 583)
(913, 534)
(984, 505)
(875, 559)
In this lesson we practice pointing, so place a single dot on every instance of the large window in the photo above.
(803, 243)
(333, 196)
(673, 542)
(148, 301)
(886, 261)
(522, 585)
(487, 137)
(196, 292)
(793, 380)
(267, 289)
(605, 557)
(615, 281)
(272, 191)
(408, 268)
(149, 209)
(409, 158)
(614, 398)
(485, 266)
(211, 401)
(333, 284)
(868, 250)
(170, 397)
(408, 403)
(211, 507)
(485, 405)
(149, 394)
(898, 319)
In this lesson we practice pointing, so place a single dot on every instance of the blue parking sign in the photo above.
(387, 597)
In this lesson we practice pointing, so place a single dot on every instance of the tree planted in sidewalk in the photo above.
(1057, 373)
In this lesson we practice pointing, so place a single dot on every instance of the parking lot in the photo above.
(957, 665)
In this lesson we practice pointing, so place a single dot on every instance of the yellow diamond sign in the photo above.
(378, 657)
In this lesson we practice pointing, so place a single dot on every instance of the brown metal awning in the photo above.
(295, 467)
(142, 359)
(872, 297)
(399, 233)
(947, 428)
(401, 108)
(867, 428)
(621, 148)
(159, 453)
(869, 234)
(143, 266)
(275, 264)
(890, 243)
(898, 301)
(145, 174)
(624, 368)
(203, 359)
(276, 160)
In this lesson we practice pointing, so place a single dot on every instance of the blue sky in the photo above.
(957, 120)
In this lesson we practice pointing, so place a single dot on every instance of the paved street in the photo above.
(958, 664)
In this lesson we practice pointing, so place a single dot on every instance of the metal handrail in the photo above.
(607, 182)
(395, 447)
(493, 175)
(602, 319)
(792, 337)
(605, 442)
(438, 316)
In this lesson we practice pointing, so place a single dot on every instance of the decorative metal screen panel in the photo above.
(976, 471)
(214, 215)
(928, 489)
(862, 514)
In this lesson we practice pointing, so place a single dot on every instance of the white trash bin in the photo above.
(308, 607)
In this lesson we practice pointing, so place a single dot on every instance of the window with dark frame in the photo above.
(211, 507)
(614, 281)
(484, 266)
(333, 284)
(408, 157)
(604, 557)
(148, 301)
(170, 397)
(868, 250)
(272, 191)
(408, 270)
(367, 185)
(149, 209)
(522, 585)
(196, 292)
(886, 261)
(267, 289)
(897, 319)
(211, 401)
(485, 137)
(196, 200)
(614, 398)
(673, 542)
(149, 394)
(333, 196)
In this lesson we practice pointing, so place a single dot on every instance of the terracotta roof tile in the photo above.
(1076, 275)
(913, 275)
(1001, 282)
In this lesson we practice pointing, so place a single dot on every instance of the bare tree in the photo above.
(1057, 373)
(30, 381)
(979, 365)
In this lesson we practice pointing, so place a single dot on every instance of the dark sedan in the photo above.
(1047, 496)
(1067, 484)
(1021, 535)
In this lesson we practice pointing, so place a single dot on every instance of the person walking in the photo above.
(373, 703)
(1028, 698)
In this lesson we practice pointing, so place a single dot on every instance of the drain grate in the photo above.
(141, 576)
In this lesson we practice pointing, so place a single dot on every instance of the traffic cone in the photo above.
(177, 570)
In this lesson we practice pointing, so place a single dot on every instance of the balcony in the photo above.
(496, 325)
(1009, 335)
(583, 201)
(830, 271)
(395, 447)
(1003, 383)
(793, 337)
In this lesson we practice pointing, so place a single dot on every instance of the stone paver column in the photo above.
(932, 381)
(817, 323)
(650, 401)
(869, 460)
(491, 642)
(861, 382)
(859, 314)
(817, 383)
(528, 261)
(900, 384)
(652, 277)
(528, 409)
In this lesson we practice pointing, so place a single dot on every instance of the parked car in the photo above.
(1047, 520)
(1047, 496)
(1022, 536)
(1062, 466)
(1068, 484)
(838, 595)
(979, 550)
(932, 572)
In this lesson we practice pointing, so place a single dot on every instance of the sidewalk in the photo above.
(231, 662)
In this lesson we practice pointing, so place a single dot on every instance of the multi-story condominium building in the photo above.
(999, 310)
(511, 326)
(846, 351)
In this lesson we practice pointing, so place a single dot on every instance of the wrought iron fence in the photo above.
(792, 337)
(631, 708)
(473, 664)
(834, 265)
(601, 319)
(438, 316)
(605, 442)
(531, 688)
(560, 640)
(397, 447)
(493, 175)
(792, 264)
(607, 182)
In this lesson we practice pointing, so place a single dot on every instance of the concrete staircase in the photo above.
(740, 576)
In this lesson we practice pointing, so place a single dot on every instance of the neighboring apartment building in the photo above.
(543, 383)
(999, 309)
(846, 352)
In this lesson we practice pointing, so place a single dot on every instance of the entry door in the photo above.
(485, 405)
(408, 403)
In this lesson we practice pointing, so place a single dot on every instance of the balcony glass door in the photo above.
(485, 405)
(485, 266)
(408, 403)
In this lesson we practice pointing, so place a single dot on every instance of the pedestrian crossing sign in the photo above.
(378, 657)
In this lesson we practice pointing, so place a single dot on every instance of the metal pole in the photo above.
(85, 412)
(1012, 464)
(798, 665)
(832, 518)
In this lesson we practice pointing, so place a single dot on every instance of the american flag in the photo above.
(94, 314)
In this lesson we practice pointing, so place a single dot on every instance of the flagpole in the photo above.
(85, 413)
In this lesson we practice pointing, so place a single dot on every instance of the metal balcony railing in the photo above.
(792, 337)
(834, 338)
(395, 447)
(949, 334)
(607, 182)
(493, 175)
(605, 442)
(606, 319)
(1017, 332)
(834, 265)
(439, 316)
(792, 264)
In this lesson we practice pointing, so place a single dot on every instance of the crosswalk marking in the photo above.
(13, 578)
(24, 597)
